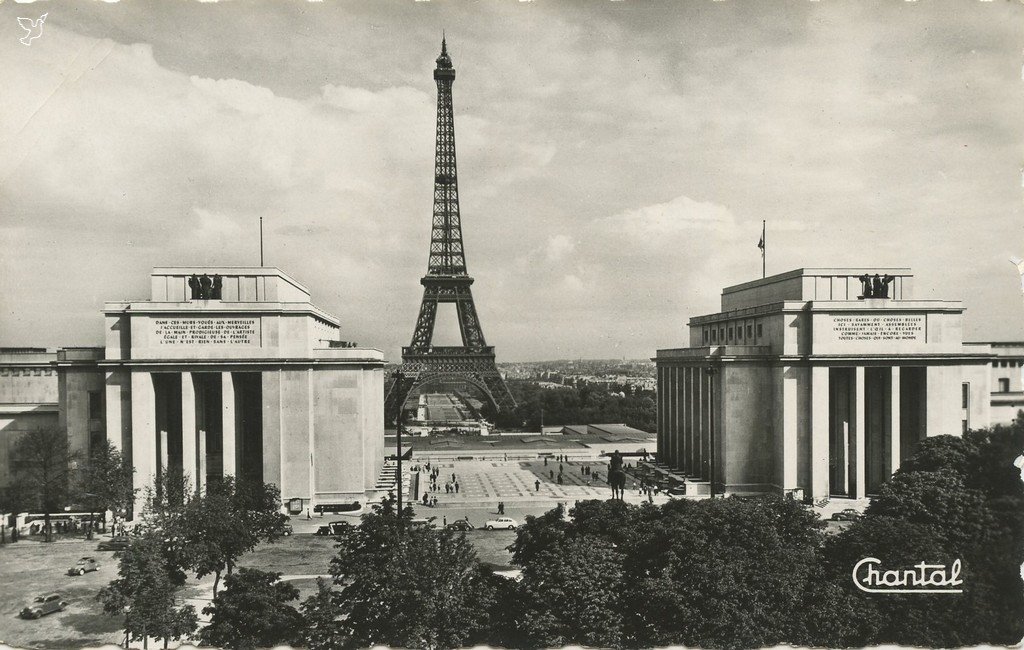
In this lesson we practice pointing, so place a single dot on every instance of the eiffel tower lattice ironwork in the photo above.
(446, 281)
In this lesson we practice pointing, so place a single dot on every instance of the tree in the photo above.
(715, 573)
(960, 515)
(44, 463)
(571, 594)
(144, 593)
(322, 612)
(106, 482)
(410, 585)
(538, 534)
(253, 612)
(954, 499)
(228, 520)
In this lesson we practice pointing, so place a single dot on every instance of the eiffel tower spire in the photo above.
(447, 281)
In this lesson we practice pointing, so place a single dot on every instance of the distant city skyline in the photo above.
(616, 160)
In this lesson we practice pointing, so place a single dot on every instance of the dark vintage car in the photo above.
(288, 530)
(83, 566)
(43, 605)
(118, 543)
(849, 514)
(460, 524)
(333, 528)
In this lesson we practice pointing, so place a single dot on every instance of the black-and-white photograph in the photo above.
(439, 324)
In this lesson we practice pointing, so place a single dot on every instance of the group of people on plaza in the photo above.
(434, 475)
(585, 470)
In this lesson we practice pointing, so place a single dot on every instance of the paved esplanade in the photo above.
(485, 482)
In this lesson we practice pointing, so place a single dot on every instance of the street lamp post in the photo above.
(399, 455)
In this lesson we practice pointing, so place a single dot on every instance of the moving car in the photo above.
(502, 522)
(118, 543)
(460, 524)
(43, 605)
(849, 514)
(83, 566)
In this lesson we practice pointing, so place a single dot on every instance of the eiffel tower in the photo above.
(446, 281)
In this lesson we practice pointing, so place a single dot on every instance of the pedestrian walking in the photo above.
(444, 521)
(536, 486)
(552, 473)
(456, 487)
(501, 507)
(545, 461)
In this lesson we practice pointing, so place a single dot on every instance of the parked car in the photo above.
(43, 605)
(460, 524)
(333, 528)
(849, 514)
(502, 522)
(288, 530)
(118, 543)
(83, 566)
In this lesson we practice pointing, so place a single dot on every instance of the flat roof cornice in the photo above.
(819, 272)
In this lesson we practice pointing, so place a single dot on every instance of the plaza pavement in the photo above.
(486, 482)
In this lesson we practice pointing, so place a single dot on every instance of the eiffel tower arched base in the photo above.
(472, 368)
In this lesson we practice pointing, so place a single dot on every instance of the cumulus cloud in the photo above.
(614, 164)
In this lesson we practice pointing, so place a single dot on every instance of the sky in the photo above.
(616, 159)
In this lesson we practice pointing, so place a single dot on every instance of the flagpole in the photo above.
(764, 248)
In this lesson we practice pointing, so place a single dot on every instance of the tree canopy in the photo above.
(409, 585)
(145, 593)
(253, 611)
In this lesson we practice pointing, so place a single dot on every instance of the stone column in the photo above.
(679, 457)
(820, 408)
(790, 421)
(143, 435)
(673, 416)
(686, 424)
(662, 427)
(693, 459)
(161, 468)
(705, 438)
(228, 422)
(113, 393)
(188, 430)
(893, 425)
(859, 432)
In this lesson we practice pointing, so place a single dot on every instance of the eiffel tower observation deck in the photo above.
(471, 365)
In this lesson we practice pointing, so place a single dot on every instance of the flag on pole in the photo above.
(760, 244)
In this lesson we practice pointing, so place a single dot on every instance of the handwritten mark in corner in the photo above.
(33, 29)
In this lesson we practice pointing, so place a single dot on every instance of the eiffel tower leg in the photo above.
(472, 335)
(499, 391)
(424, 331)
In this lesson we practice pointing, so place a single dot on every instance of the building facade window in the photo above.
(965, 395)
(760, 330)
(1004, 385)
